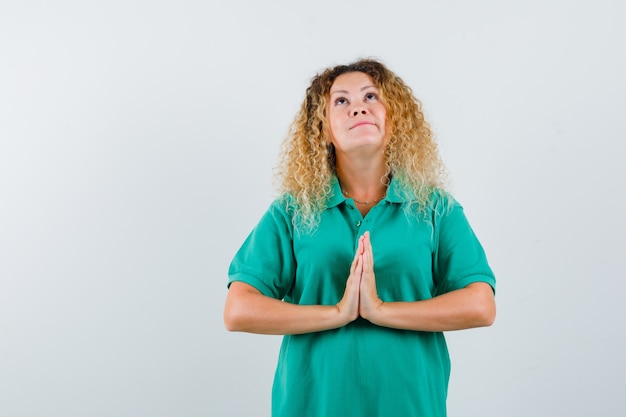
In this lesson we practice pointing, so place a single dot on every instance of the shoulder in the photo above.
(283, 206)
(444, 206)
(279, 214)
(442, 201)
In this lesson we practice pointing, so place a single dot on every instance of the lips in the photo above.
(362, 123)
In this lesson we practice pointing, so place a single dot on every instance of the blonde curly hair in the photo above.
(307, 161)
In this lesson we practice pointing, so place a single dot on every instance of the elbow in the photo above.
(230, 322)
(233, 318)
(486, 314)
(488, 319)
(483, 305)
(239, 311)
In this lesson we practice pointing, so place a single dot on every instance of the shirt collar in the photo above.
(337, 197)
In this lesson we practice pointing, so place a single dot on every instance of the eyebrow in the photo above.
(346, 92)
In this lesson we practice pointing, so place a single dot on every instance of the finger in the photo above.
(354, 262)
(367, 253)
(368, 248)
(367, 241)
(359, 265)
(367, 260)
(360, 248)
(359, 252)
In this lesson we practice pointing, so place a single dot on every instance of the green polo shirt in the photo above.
(362, 369)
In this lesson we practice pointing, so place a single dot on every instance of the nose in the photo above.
(358, 110)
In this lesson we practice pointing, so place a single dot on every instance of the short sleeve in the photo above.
(458, 256)
(266, 260)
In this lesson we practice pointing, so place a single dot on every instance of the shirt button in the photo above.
(358, 223)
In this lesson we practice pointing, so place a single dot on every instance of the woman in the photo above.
(364, 260)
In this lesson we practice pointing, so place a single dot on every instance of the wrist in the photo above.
(374, 311)
(343, 315)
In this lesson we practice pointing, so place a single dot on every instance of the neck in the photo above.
(364, 184)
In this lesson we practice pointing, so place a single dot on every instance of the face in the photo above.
(356, 113)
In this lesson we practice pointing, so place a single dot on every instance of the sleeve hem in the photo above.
(465, 281)
(254, 281)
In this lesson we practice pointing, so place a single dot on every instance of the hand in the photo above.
(348, 306)
(369, 302)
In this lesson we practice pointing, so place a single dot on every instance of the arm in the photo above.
(248, 310)
(472, 306)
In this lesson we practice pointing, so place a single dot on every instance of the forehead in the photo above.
(351, 80)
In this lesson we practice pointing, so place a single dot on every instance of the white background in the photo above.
(137, 141)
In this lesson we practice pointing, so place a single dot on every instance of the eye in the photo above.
(370, 96)
(341, 100)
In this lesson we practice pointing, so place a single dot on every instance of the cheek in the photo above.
(383, 117)
(333, 126)
(382, 112)
(330, 135)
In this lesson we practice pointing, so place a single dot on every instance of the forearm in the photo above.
(473, 306)
(247, 310)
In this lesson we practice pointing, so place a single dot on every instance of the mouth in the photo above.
(363, 123)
